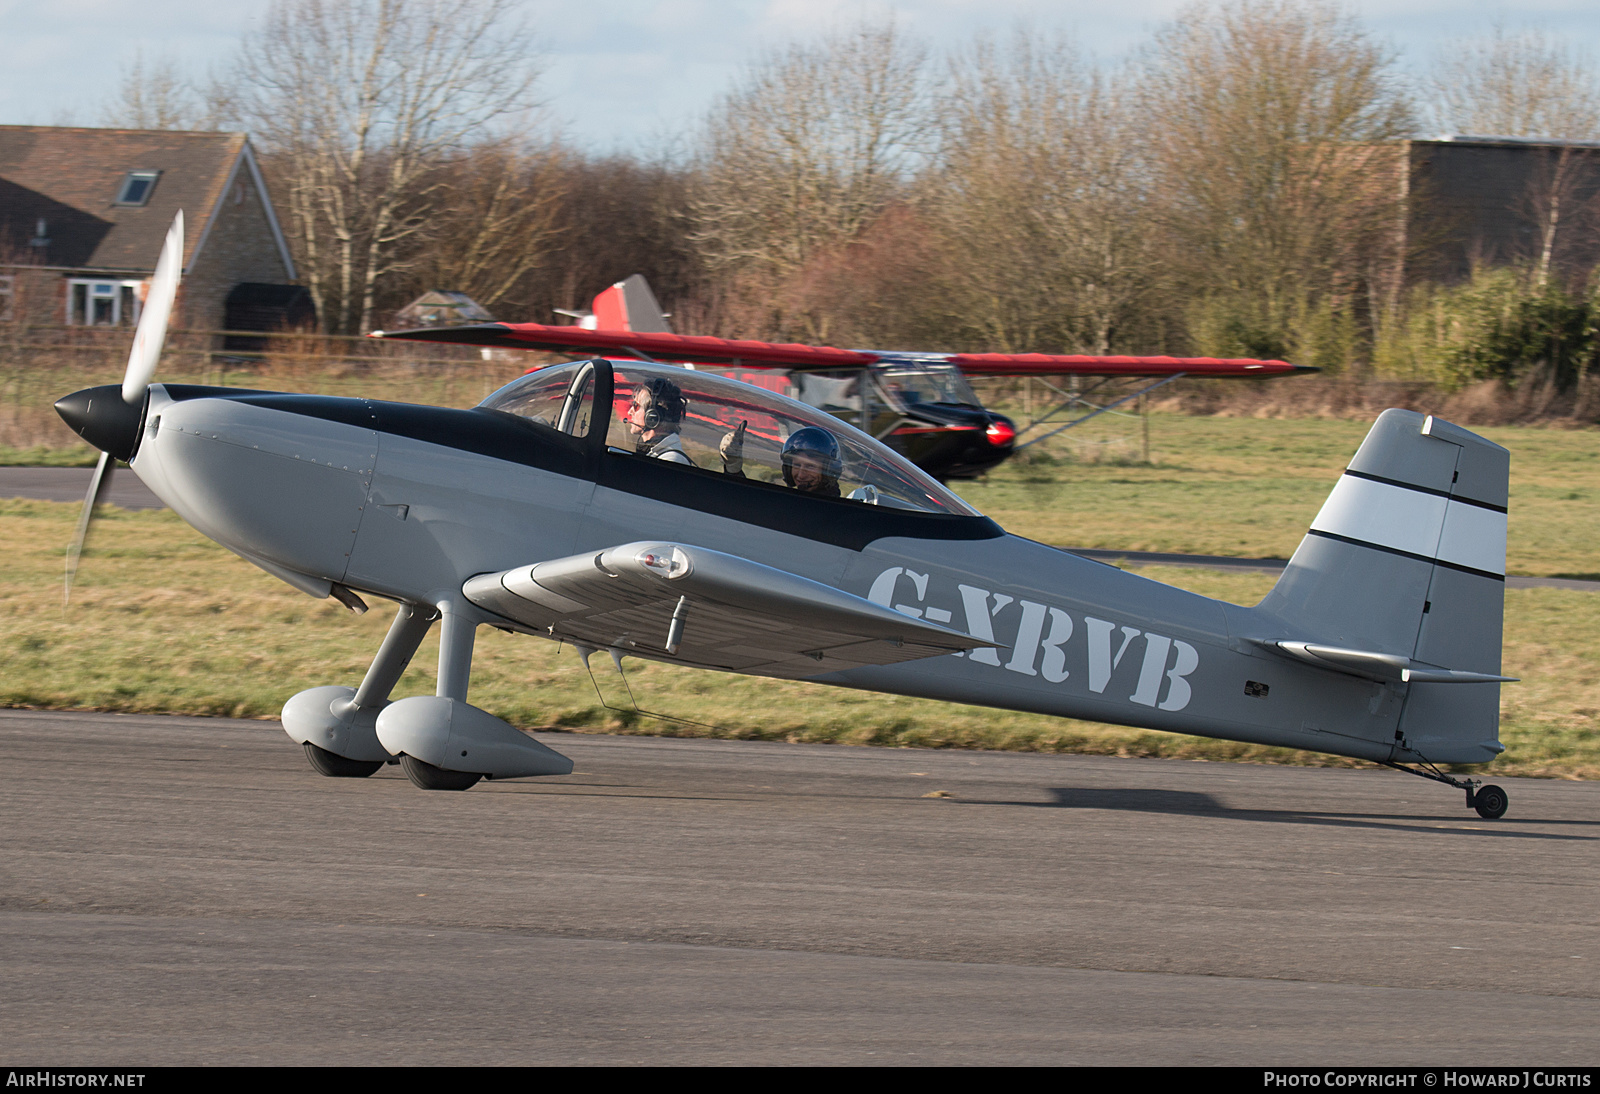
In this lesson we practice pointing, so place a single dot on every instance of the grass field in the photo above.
(163, 620)
(1250, 487)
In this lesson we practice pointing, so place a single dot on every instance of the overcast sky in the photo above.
(631, 74)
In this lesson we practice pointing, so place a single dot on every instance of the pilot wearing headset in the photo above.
(655, 418)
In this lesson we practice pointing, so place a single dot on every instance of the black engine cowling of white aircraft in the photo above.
(100, 416)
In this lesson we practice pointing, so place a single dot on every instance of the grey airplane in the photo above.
(659, 512)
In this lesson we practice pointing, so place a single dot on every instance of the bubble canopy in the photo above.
(711, 408)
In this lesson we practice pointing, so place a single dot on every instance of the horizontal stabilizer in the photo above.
(1387, 667)
(703, 607)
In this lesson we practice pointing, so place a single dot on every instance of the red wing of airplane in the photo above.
(700, 349)
(1073, 364)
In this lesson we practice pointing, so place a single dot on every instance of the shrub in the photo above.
(1501, 325)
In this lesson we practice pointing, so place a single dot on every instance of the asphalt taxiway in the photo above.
(183, 890)
(127, 490)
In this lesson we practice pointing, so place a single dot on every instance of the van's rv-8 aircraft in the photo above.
(545, 511)
(918, 404)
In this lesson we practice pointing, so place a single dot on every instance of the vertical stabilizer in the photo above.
(630, 305)
(1407, 558)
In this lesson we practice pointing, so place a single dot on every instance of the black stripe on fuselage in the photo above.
(517, 440)
(1406, 554)
(485, 432)
(1426, 490)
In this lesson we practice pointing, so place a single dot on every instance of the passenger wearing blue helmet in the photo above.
(811, 462)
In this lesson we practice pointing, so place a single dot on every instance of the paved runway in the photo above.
(72, 483)
(178, 890)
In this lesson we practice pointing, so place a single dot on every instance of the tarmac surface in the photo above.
(188, 891)
(72, 483)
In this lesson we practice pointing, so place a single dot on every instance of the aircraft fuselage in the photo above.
(409, 502)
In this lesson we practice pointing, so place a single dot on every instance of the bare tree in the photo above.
(1040, 196)
(1523, 84)
(622, 216)
(814, 142)
(358, 102)
(498, 219)
(153, 96)
(1272, 126)
(1562, 203)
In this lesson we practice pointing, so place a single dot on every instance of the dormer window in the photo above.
(136, 187)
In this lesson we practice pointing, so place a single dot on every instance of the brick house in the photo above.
(83, 213)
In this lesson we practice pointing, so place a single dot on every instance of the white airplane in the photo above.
(655, 511)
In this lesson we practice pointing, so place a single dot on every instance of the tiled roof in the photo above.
(71, 178)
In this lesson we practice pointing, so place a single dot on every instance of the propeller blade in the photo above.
(152, 329)
(98, 487)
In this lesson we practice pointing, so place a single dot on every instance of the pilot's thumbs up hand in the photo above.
(732, 450)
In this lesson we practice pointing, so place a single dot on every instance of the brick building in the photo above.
(83, 213)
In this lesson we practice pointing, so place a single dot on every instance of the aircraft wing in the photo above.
(1067, 364)
(700, 607)
(663, 347)
(801, 358)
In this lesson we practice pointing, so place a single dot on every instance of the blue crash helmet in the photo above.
(817, 443)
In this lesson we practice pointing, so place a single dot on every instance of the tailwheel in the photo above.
(1490, 802)
(426, 776)
(336, 766)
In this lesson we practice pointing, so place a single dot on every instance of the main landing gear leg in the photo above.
(457, 635)
(337, 725)
(1490, 801)
(446, 743)
(406, 633)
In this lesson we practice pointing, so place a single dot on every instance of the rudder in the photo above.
(1407, 558)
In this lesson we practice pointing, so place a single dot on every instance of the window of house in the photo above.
(8, 289)
(136, 187)
(103, 303)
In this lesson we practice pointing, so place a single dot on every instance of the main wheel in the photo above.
(336, 766)
(1490, 802)
(428, 777)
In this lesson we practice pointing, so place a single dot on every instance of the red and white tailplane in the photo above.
(626, 306)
